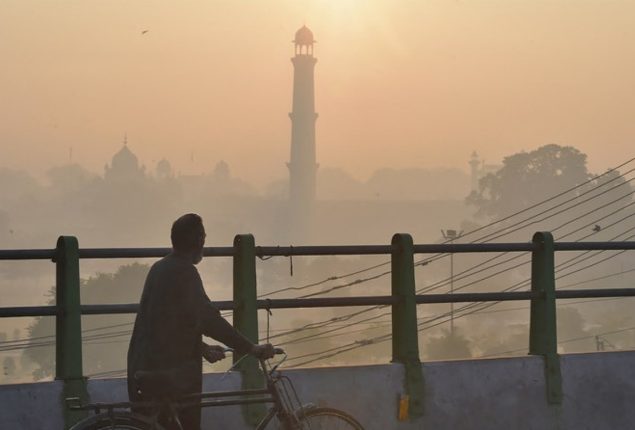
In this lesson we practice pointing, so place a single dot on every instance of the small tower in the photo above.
(302, 165)
(475, 170)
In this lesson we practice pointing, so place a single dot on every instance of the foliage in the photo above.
(8, 366)
(527, 178)
(571, 325)
(447, 346)
(104, 346)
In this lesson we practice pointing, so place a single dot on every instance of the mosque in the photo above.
(301, 218)
(124, 166)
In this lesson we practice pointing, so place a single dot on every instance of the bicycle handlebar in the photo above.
(276, 350)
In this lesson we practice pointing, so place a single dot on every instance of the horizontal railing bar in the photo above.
(27, 254)
(442, 248)
(607, 292)
(326, 302)
(477, 297)
(110, 309)
(285, 251)
(227, 305)
(95, 253)
(28, 311)
(98, 253)
(593, 246)
(319, 302)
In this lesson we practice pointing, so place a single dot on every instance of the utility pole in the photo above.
(450, 236)
(601, 343)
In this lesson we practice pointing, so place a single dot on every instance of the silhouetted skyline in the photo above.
(402, 84)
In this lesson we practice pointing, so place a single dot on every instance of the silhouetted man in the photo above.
(173, 315)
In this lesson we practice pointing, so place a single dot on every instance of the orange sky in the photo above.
(398, 83)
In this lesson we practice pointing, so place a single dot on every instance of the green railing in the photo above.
(403, 299)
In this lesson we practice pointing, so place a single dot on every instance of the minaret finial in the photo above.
(125, 139)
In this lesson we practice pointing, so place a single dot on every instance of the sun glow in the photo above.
(338, 15)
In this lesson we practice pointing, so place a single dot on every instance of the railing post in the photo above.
(68, 326)
(246, 317)
(405, 333)
(543, 336)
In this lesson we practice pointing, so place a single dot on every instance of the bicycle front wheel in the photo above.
(118, 421)
(328, 418)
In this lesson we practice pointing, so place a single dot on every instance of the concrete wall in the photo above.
(470, 394)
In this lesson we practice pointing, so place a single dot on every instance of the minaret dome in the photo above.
(304, 38)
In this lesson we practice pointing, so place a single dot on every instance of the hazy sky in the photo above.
(398, 83)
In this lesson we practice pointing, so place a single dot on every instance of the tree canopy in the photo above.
(529, 177)
(105, 337)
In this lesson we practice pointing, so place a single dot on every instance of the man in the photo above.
(173, 314)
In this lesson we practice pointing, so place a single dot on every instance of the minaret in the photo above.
(474, 170)
(302, 166)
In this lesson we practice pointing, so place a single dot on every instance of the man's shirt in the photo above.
(173, 314)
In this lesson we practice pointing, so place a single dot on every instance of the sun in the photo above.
(340, 15)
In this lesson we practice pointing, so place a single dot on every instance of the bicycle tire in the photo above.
(119, 421)
(328, 418)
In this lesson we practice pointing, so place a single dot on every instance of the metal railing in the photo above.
(245, 304)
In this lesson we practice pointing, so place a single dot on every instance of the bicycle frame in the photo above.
(269, 394)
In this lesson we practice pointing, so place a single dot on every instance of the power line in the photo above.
(330, 278)
(28, 339)
(360, 343)
(324, 323)
(490, 224)
(482, 269)
(325, 335)
(423, 262)
(597, 279)
(496, 354)
(531, 220)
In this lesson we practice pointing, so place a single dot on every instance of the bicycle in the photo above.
(287, 412)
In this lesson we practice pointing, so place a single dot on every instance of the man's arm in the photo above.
(212, 324)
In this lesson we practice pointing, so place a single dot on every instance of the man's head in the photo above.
(188, 236)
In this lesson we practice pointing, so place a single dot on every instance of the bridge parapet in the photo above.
(403, 300)
(492, 394)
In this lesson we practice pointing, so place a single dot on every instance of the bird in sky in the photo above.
(144, 31)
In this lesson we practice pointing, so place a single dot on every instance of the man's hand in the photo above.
(263, 352)
(213, 353)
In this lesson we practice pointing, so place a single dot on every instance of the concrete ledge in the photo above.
(493, 394)
(31, 406)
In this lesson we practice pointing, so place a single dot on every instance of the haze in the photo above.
(398, 83)
(405, 91)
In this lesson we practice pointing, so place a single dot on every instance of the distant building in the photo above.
(221, 172)
(302, 165)
(124, 166)
(164, 169)
(478, 169)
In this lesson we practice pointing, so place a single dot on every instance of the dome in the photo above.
(125, 160)
(304, 36)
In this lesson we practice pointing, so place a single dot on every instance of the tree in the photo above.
(8, 366)
(69, 178)
(571, 325)
(609, 187)
(447, 346)
(527, 178)
(105, 338)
